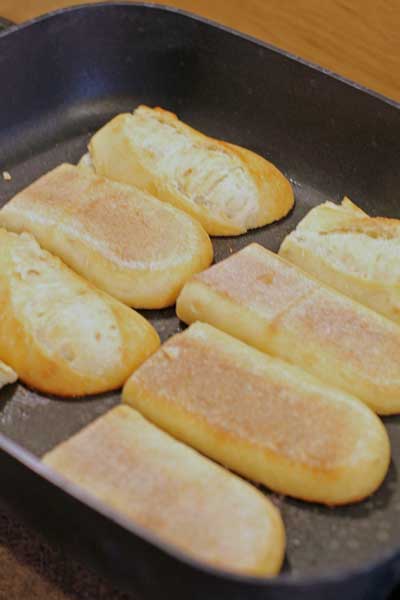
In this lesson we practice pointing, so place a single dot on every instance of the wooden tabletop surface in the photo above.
(359, 39)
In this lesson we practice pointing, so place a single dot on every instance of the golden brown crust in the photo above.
(129, 244)
(200, 175)
(262, 417)
(58, 332)
(287, 313)
(173, 492)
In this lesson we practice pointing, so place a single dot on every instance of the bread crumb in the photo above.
(6, 176)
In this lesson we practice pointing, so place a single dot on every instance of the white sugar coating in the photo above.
(243, 392)
(363, 339)
(281, 293)
(123, 224)
(260, 281)
(168, 488)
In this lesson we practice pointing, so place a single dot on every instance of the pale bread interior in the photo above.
(7, 375)
(69, 319)
(200, 169)
(352, 242)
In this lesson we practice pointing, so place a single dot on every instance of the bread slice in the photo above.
(262, 299)
(60, 333)
(85, 163)
(174, 493)
(227, 188)
(262, 417)
(350, 206)
(354, 253)
(7, 375)
(134, 247)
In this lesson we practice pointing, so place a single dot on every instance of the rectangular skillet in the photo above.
(61, 77)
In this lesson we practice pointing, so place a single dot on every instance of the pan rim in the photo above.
(287, 580)
(180, 11)
(29, 460)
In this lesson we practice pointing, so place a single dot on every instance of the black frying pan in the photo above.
(61, 77)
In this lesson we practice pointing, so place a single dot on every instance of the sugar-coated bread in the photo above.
(262, 417)
(7, 375)
(126, 242)
(227, 188)
(174, 493)
(262, 299)
(352, 252)
(57, 331)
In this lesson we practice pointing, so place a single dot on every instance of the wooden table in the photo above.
(359, 39)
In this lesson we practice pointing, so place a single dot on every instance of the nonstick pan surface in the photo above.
(61, 78)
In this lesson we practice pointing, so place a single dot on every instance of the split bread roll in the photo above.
(354, 253)
(57, 331)
(131, 245)
(273, 305)
(174, 493)
(7, 375)
(227, 188)
(264, 418)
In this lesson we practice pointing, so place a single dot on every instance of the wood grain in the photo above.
(359, 39)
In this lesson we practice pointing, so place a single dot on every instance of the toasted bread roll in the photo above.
(7, 375)
(227, 188)
(273, 305)
(174, 493)
(57, 331)
(264, 418)
(85, 163)
(349, 205)
(134, 247)
(354, 253)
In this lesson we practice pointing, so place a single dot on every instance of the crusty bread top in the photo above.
(352, 242)
(200, 167)
(7, 374)
(260, 399)
(284, 294)
(126, 225)
(68, 317)
(229, 189)
(170, 489)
